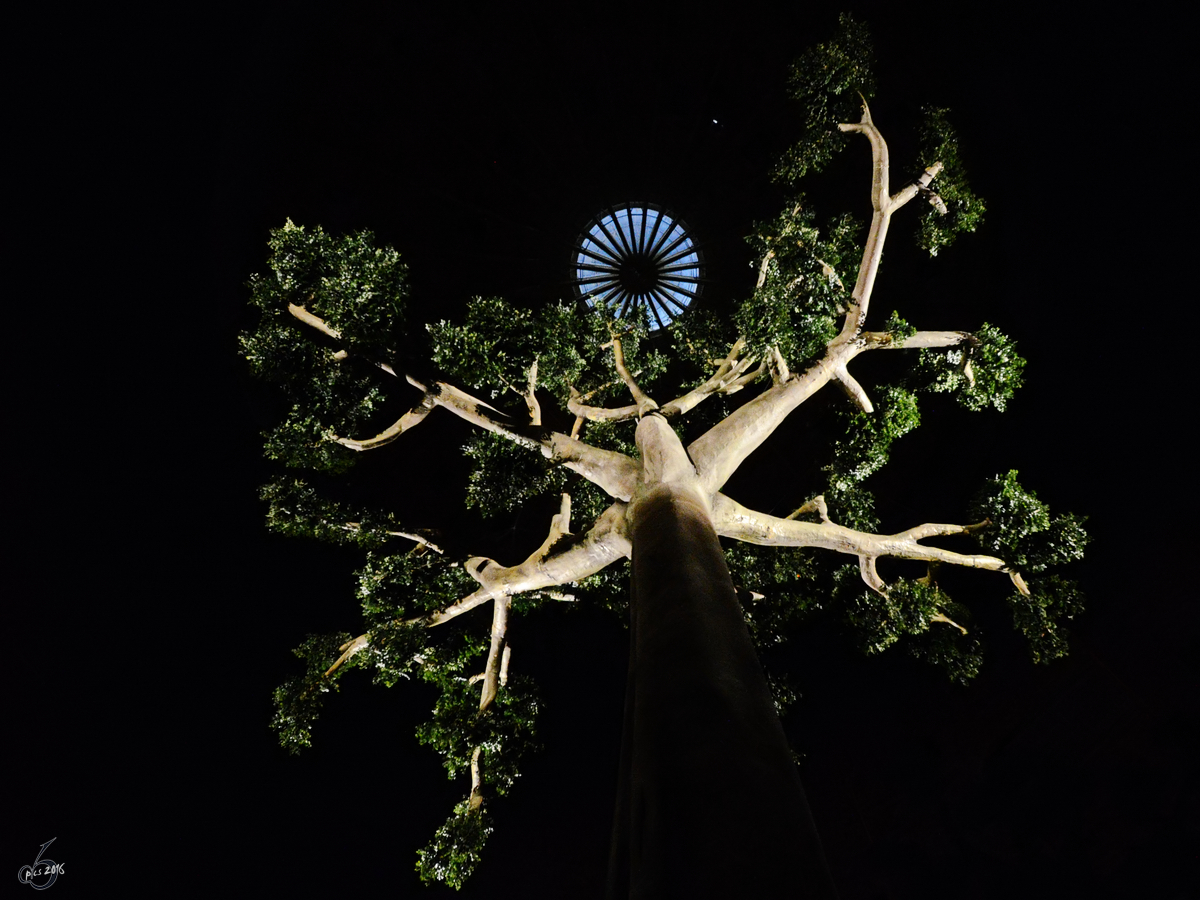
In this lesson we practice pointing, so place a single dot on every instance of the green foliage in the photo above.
(395, 651)
(807, 281)
(789, 580)
(827, 80)
(702, 338)
(298, 702)
(505, 732)
(1024, 535)
(908, 610)
(496, 345)
(964, 210)
(851, 505)
(783, 692)
(908, 607)
(1021, 532)
(295, 509)
(984, 372)
(358, 290)
(1040, 616)
(505, 476)
(869, 436)
(898, 328)
(455, 850)
(943, 646)
(452, 732)
(393, 585)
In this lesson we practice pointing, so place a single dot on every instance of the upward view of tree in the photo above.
(637, 432)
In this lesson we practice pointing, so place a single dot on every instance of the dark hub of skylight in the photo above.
(638, 255)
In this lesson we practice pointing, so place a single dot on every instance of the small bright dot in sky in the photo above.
(714, 121)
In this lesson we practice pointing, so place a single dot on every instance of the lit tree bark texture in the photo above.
(710, 803)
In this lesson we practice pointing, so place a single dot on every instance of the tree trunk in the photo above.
(710, 803)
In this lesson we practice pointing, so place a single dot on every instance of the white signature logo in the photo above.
(41, 868)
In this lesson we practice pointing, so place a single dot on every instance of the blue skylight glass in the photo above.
(638, 256)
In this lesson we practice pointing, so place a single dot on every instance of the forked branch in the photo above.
(731, 519)
(556, 562)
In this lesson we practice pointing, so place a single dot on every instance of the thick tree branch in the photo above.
(491, 672)
(854, 390)
(531, 400)
(731, 519)
(816, 504)
(885, 340)
(615, 473)
(476, 798)
(719, 451)
(640, 398)
(315, 321)
(883, 205)
(603, 544)
(413, 417)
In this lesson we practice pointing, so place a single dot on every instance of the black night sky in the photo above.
(155, 614)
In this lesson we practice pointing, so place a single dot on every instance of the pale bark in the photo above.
(885, 340)
(640, 398)
(548, 566)
(325, 328)
(413, 417)
(733, 520)
(719, 451)
(315, 321)
(614, 473)
(883, 205)
(730, 377)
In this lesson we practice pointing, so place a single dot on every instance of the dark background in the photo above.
(153, 615)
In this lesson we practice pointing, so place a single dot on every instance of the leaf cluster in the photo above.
(984, 372)
(505, 733)
(864, 450)
(358, 290)
(298, 702)
(804, 288)
(394, 585)
(907, 610)
(1023, 533)
(295, 509)
(827, 80)
(964, 209)
(355, 287)
(790, 582)
(494, 348)
(456, 848)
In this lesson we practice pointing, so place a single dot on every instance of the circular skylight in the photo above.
(635, 256)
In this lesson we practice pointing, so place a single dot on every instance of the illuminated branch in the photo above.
(883, 205)
(556, 562)
(731, 519)
(731, 376)
(644, 403)
(325, 328)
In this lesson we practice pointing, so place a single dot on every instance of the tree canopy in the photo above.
(556, 393)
